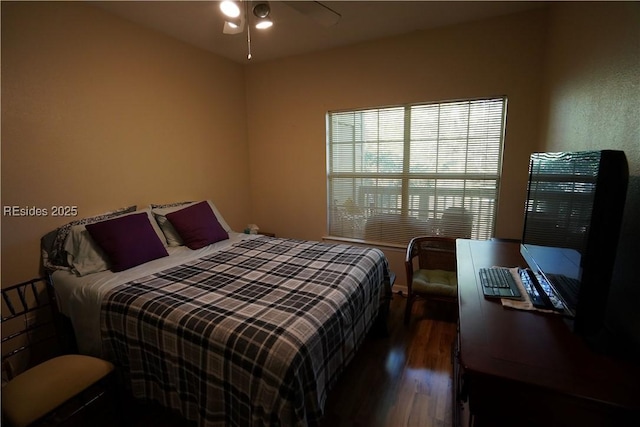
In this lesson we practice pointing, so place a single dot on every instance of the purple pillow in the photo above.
(127, 240)
(197, 225)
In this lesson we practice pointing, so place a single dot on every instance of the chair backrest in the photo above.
(434, 252)
(457, 222)
(29, 330)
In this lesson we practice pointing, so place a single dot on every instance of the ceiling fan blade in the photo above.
(317, 11)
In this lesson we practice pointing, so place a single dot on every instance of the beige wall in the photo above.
(100, 113)
(593, 102)
(288, 100)
(593, 79)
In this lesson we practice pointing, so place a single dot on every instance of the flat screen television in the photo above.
(573, 213)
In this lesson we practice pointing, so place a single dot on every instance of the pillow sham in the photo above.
(171, 235)
(85, 256)
(128, 241)
(197, 225)
(54, 256)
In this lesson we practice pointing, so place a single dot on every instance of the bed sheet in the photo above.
(80, 298)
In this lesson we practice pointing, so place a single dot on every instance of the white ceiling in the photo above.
(200, 23)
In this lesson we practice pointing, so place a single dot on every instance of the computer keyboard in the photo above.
(538, 299)
(568, 287)
(497, 282)
(540, 293)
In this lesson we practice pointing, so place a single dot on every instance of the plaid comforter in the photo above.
(253, 335)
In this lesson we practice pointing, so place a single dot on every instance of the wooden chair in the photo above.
(41, 389)
(434, 276)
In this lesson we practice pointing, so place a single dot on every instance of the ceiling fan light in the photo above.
(263, 24)
(232, 26)
(230, 8)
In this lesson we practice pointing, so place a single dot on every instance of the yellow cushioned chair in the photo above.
(37, 389)
(433, 275)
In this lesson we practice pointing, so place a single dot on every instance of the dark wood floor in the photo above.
(404, 379)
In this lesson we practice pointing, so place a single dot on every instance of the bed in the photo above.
(245, 330)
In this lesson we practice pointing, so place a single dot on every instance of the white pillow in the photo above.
(171, 235)
(54, 256)
(85, 256)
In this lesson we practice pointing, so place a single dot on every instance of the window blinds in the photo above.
(397, 172)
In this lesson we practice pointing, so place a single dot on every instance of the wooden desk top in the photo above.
(532, 348)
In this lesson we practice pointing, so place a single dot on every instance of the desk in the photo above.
(546, 374)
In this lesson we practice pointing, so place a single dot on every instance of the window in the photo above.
(398, 172)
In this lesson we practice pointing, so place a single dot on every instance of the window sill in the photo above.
(361, 242)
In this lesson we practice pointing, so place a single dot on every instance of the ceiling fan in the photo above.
(237, 14)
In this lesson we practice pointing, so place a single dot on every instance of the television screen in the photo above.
(573, 213)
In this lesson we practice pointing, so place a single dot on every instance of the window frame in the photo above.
(406, 177)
